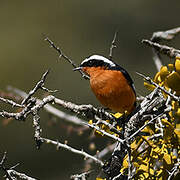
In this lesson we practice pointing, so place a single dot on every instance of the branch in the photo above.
(65, 146)
(166, 50)
(10, 173)
(2, 166)
(142, 127)
(14, 104)
(156, 38)
(85, 110)
(16, 175)
(82, 176)
(93, 126)
(148, 79)
(113, 45)
(37, 129)
(61, 54)
(174, 170)
(39, 85)
(103, 152)
(50, 109)
(166, 35)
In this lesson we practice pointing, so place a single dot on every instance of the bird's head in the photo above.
(95, 62)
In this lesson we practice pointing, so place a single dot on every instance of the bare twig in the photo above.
(113, 45)
(65, 146)
(11, 174)
(14, 104)
(157, 59)
(166, 35)
(39, 85)
(3, 168)
(61, 54)
(103, 152)
(117, 177)
(157, 37)
(105, 133)
(16, 175)
(82, 176)
(166, 50)
(174, 170)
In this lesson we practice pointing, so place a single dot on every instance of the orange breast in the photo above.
(112, 89)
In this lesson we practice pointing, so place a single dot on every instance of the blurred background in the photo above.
(81, 28)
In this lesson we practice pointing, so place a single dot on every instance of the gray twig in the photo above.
(61, 54)
(82, 176)
(50, 109)
(174, 170)
(166, 50)
(37, 129)
(10, 173)
(94, 126)
(67, 147)
(85, 110)
(39, 85)
(148, 79)
(113, 45)
(157, 37)
(14, 104)
(166, 35)
(18, 176)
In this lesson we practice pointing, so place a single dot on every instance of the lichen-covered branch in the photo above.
(166, 50)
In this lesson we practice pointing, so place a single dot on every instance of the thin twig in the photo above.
(67, 147)
(14, 104)
(113, 45)
(39, 85)
(82, 176)
(166, 35)
(157, 37)
(16, 175)
(11, 174)
(166, 50)
(103, 152)
(174, 170)
(105, 133)
(157, 59)
(2, 166)
(61, 54)
(117, 177)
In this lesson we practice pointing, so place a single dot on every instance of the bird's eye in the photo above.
(90, 63)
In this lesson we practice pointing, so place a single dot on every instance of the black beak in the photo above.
(77, 69)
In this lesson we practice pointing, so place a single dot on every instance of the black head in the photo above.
(97, 61)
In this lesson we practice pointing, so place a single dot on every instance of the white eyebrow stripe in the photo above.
(98, 57)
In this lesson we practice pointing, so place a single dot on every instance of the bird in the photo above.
(111, 84)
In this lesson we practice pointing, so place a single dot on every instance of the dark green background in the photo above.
(81, 28)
